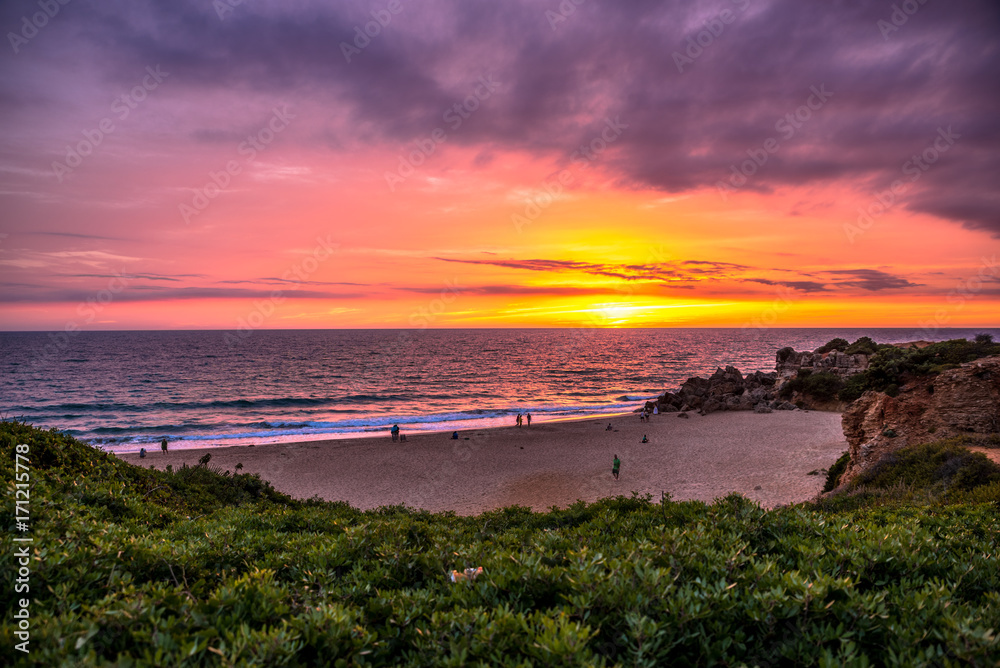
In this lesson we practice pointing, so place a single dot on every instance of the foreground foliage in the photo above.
(125, 571)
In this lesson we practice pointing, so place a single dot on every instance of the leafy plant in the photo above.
(863, 345)
(833, 344)
(836, 471)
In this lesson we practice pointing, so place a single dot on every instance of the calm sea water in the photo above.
(122, 390)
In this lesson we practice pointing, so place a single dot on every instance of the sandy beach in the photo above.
(766, 457)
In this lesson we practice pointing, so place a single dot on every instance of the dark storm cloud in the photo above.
(888, 92)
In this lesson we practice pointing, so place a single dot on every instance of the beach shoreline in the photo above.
(765, 457)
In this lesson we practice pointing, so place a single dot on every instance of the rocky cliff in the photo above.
(790, 363)
(728, 389)
(964, 400)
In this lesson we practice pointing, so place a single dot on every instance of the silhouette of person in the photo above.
(615, 465)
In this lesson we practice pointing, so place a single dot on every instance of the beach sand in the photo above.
(766, 457)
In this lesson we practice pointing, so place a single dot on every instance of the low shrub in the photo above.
(822, 386)
(836, 471)
(833, 344)
(864, 346)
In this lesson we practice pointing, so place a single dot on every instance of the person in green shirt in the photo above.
(615, 466)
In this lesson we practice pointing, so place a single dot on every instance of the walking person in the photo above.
(615, 465)
(518, 419)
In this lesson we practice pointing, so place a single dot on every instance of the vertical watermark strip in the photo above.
(22, 551)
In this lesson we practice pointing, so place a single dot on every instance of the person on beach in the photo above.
(608, 428)
(529, 419)
(644, 439)
(163, 444)
(454, 435)
(518, 419)
(142, 453)
(615, 465)
(395, 432)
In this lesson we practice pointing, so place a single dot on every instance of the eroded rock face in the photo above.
(965, 400)
(788, 363)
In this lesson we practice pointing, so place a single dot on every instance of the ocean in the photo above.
(124, 390)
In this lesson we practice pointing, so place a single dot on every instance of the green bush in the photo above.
(822, 386)
(836, 471)
(833, 344)
(864, 345)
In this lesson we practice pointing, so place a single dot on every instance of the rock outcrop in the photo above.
(729, 390)
(964, 400)
(790, 362)
(726, 389)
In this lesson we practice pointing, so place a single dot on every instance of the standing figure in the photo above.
(395, 432)
(529, 419)
(163, 444)
(615, 465)
(518, 419)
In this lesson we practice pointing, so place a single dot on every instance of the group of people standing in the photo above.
(522, 418)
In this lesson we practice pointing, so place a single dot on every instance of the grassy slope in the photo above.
(193, 568)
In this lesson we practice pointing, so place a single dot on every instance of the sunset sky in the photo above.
(394, 163)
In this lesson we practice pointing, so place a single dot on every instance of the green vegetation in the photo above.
(822, 386)
(942, 472)
(889, 368)
(864, 346)
(833, 344)
(138, 567)
(837, 470)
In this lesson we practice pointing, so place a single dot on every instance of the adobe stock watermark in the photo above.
(88, 310)
(768, 317)
(787, 125)
(220, 180)
(454, 116)
(363, 37)
(964, 291)
(581, 158)
(122, 106)
(565, 9)
(714, 27)
(378, 366)
(913, 169)
(901, 13)
(225, 7)
(31, 25)
(263, 309)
